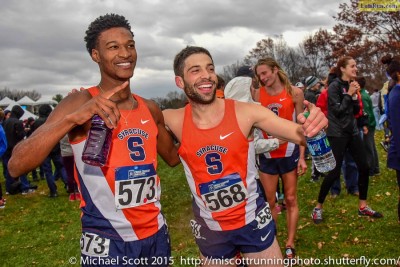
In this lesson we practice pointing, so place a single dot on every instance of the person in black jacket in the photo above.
(54, 156)
(343, 134)
(15, 132)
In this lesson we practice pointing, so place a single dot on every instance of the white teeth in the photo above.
(204, 86)
(124, 64)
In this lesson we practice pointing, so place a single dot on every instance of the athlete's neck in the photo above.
(123, 98)
(209, 115)
(276, 88)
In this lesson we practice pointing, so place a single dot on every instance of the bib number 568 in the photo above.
(225, 198)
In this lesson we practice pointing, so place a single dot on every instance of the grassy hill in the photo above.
(38, 231)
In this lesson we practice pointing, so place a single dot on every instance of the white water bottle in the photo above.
(321, 151)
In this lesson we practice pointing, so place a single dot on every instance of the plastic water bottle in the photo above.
(98, 143)
(321, 151)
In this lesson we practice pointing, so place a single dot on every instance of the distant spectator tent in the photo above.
(5, 102)
(27, 113)
(46, 100)
(28, 104)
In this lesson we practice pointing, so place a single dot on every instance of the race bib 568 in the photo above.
(223, 193)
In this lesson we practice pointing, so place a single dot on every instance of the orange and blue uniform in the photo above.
(221, 172)
(282, 105)
(285, 158)
(121, 200)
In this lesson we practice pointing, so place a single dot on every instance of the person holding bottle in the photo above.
(121, 211)
(217, 152)
(343, 134)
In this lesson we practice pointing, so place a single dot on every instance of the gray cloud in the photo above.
(42, 45)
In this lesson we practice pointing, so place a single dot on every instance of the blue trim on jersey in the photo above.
(196, 212)
(154, 250)
(92, 219)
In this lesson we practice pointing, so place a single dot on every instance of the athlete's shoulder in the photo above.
(70, 102)
(173, 114)
(298, 94)
(151, 104)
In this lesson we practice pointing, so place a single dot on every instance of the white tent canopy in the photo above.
(46, 100)
(27, 113)
(26, 101)
(6, 101)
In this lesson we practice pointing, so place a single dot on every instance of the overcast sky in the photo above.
(42, 46)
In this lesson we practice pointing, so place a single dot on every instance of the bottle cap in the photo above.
(306, 114)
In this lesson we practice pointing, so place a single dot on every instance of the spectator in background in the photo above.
(220, 87)
(311, 94)
(300, 85)
(382, 120)
(67, 156)
(54, 156)
(28, 130)
(15, 133)
(7, 114)
(376, 98)
(313, 89)
(343, 133)
(244, 79)
(369, 135)
(349, 168)
(3, 148)
(393, 112)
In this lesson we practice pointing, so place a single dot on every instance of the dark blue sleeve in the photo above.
(394, 117)
(3, 141)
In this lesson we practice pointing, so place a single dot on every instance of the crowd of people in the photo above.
(13, 131)
(242, 146)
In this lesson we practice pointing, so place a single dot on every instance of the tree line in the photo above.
(365, 36)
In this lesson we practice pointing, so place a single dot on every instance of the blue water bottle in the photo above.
(321, 151)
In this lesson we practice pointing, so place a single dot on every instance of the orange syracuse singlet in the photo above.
(122, 199)
(220, 169)
(282, 105)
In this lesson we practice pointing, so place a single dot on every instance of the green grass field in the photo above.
(38, 231)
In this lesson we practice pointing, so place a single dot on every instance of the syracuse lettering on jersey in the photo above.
(211, 148)
(132, 131)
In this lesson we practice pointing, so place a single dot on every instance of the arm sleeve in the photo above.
(264, 145)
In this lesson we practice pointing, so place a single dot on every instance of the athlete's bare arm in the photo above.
(165, 145)
(253, 115)
(76, 109)
(174, 121)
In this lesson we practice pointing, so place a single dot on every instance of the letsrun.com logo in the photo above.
(379, 6)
